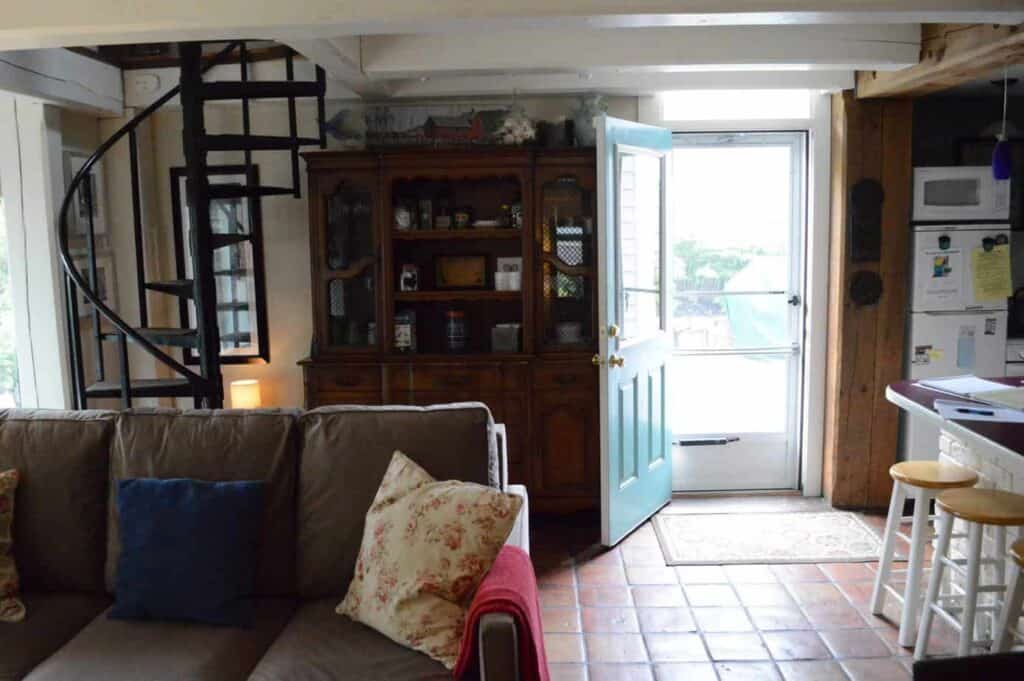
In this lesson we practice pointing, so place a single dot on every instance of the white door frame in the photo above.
(818, 126)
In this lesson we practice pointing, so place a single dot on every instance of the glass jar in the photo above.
(455, 330)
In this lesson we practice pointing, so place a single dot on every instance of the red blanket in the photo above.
(510, 587)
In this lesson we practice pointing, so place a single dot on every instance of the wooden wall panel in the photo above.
(871, 139)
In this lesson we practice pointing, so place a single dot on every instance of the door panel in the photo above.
(634, 343)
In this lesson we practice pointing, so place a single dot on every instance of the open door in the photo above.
(633, 315)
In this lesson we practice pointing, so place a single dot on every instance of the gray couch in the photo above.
(322, 469)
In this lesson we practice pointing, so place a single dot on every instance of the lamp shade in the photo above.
(246, 394)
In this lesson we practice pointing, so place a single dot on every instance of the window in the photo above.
(9, 393)
(735, 105)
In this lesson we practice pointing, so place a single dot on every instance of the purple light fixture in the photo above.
(1002, 163)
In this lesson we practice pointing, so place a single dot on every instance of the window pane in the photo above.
(735, 105)
(709, 322)
(757, 402)
(640, 215)
(9, 395)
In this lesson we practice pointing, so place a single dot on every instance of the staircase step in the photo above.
(222, 240)
(180, 338)
(254, 142)
(183, 288)
(238, 191)
(144, 387)
(262, 89)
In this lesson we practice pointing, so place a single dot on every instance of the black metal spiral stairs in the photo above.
(205, 386)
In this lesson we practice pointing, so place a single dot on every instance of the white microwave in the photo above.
(960, 193)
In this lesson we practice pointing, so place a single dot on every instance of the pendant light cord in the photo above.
(1002, 135)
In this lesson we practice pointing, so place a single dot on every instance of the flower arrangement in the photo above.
(517, 128)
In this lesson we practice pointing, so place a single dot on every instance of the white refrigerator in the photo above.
(955, 329)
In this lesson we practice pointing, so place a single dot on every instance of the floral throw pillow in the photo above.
(426, 547)
(11, 609)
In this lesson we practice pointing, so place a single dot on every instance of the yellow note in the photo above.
(991, 273)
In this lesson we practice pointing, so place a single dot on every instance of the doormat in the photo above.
(737, 538)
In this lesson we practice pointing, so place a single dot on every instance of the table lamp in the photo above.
(245, 394)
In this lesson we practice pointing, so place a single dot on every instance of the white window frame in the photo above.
(818, 127)
(32, 180)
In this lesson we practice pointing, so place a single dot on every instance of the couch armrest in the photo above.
(498, 644)
(520, 535)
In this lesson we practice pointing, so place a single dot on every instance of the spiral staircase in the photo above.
(204, 384)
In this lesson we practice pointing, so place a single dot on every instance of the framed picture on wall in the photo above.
(106, 281)
(90, 195)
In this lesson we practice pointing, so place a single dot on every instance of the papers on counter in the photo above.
(964, 386)
(972, 411)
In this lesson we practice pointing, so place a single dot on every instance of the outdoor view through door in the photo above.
(739, 205)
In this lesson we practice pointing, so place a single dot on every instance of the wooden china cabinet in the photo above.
(416, 299)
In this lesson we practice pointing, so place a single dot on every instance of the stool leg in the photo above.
(974, 533)
(915, 566)
(892, 526)
(924, 630)
(1010, 615)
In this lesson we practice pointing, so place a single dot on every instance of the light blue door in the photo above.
(634, 343)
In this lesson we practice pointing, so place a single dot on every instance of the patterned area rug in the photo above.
(736, 538)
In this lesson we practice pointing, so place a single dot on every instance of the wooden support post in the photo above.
(871, 139)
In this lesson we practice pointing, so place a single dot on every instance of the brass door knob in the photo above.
(596, 360)
(616, 361)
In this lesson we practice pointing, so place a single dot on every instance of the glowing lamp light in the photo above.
(246, 394)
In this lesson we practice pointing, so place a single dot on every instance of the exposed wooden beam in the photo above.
(655, 49)
(951, 54)
(620, 83)
(98, 22)
(341, 57)
(63, 77)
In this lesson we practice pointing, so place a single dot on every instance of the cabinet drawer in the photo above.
(326, 399)
(564, 377)
(456, 378)
(344, 379)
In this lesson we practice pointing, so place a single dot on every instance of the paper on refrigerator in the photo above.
(991, 273)
(945, 280)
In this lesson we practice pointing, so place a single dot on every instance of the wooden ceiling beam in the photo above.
(951, 54)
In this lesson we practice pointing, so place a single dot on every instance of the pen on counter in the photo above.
(979, 412)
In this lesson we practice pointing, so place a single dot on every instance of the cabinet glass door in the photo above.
(567, 261)
(350, 250)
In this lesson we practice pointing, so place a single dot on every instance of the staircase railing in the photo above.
(75, 282)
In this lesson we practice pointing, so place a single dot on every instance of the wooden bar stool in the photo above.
(1006, 629)
(978, 508)
(924, 479)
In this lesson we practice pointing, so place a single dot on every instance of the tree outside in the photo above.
(8, 354)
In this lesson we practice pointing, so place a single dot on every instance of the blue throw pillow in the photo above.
(188, 550)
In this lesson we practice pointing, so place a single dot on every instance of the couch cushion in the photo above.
(345, 451)
(188, 550)
(11, 608)
(119, 650)
(60, 525)
(319, 645)
(427, 544)
(217, 446)
(52, 620)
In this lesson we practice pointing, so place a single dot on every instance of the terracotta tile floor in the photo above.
(623, 615)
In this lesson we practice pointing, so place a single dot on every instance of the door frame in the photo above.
(819, 147)
(799, 143)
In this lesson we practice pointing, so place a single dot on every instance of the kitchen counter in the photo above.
(1003, 441)
(995, 451)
